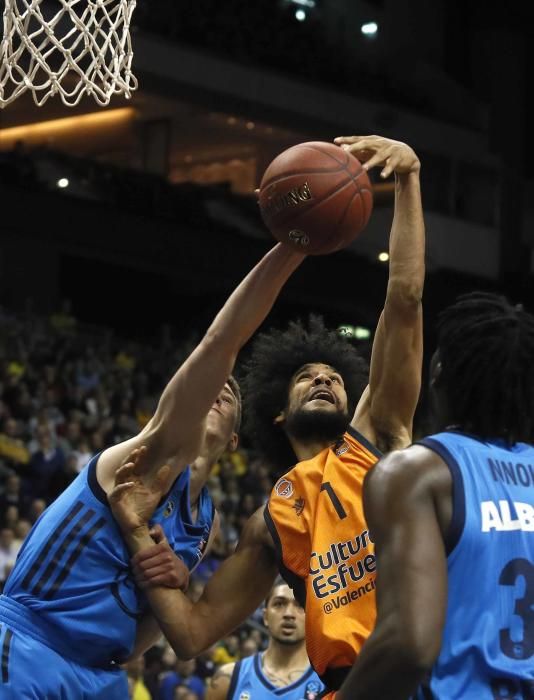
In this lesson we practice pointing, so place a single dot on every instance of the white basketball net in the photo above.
(79, 47)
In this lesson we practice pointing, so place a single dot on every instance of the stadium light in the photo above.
(62, 183)
(300, 15)
(369, 28)
(383, 257)
(354, 332)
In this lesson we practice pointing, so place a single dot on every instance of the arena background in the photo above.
(124, 229)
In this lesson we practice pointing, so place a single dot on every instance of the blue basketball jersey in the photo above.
(488, 641)
(249, 683)
(72, 588)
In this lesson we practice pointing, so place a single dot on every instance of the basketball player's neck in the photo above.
(286, 658)
(200, 471)
(309, 449)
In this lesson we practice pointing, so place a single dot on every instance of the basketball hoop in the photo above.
(69, 48)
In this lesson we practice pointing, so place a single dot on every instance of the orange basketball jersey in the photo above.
(315, 516)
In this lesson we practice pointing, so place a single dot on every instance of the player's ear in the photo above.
(233, 443)
(265, 621)
(280, 418)
(436, 374)
(436, 369)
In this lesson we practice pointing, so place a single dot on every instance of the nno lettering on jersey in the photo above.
(499, 516)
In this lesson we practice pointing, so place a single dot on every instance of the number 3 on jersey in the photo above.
(520, 573)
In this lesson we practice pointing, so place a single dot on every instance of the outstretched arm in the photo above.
(385, 412)
(176, 428)
(230, 596)
(400, 497)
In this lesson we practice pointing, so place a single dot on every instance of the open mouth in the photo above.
(289, 628)
(322, 395)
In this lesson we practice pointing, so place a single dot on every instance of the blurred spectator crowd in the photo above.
(67, 391)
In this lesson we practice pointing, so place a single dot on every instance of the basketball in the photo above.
(315, 197)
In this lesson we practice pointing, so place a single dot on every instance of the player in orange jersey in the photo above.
(309, 404)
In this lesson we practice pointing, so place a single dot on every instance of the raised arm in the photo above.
(400, 497)
(385, 412)
(176, 428)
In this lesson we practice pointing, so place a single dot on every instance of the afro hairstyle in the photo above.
(275, 357)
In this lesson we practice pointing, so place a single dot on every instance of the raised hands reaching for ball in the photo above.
(373, 151)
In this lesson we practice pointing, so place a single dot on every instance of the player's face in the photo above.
(317, 387)
(317, 405)
(284, 617)
(221, 420)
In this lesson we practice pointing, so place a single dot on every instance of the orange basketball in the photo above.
(316, 197)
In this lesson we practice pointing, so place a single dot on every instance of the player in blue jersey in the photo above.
(453, 522)
(70, 611)
(283, 670)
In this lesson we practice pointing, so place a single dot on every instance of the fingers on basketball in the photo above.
(361, 147)
(382, 157)
(347, 139)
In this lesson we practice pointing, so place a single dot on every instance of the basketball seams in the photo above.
(343, 165)
(321, 171)
(331, 155)
(339, 188)
(314, 217)
(344, 216)
(364, 207)
(363, 215)
(302, 212)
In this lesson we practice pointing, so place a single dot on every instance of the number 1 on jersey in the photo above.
(335, 500)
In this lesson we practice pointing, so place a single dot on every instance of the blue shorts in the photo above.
(32, 671)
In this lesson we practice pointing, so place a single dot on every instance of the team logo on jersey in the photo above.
(244, 695)
(284, 488)
(341, 448)
(169, 507)
(299, 505)
(312, 690)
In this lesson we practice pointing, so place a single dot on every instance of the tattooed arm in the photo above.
(219, 683)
